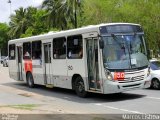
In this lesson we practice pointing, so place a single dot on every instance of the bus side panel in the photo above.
(27, 67)
(37, 72)
(76, 66)
(59, 71)
(13, 70)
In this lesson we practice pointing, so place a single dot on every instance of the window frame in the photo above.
(30, 57)
(64, 40)
(10, 57)
(80, 47)
(34, 51)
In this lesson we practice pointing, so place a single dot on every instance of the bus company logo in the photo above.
(131, 78)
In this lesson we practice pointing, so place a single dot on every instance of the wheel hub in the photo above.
(80, 87)
(155, 84)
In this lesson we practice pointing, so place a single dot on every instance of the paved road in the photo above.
(58, 100)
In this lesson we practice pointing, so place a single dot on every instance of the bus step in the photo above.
(49, 86)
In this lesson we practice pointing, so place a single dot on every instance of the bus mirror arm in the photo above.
(101, 44)
(148, 54)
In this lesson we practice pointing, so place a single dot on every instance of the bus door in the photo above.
(93, 70)
(47, 63)
(19, 51)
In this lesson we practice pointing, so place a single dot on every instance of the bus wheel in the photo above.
(30, 81)
(80, 88)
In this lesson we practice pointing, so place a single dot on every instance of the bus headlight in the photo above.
(149, 71)
(108, 75)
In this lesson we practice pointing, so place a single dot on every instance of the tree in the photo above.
(18, 23)
(21, 21)
(61, 13)
(144, 12)
(38, 24)
(3, 37)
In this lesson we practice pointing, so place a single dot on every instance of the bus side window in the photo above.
(59, 48)
(12, 52)
(75, 47)
(27, 50)
(80, 54)
(36, 50)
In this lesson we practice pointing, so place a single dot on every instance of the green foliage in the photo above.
(38, 26)
(144, 12)
(3, 37)
(23, 106)
(27, 22)
(61, 13)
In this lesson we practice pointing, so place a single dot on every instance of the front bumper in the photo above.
(116, 87)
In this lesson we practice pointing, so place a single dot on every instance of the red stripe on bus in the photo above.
(28, 65)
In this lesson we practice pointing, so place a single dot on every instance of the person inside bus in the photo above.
(70, 54)
(26, 55)
(80, 54)
(64, 44)
(55, 55)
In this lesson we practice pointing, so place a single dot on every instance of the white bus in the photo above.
(105, 58)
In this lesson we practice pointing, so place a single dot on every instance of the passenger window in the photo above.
(36, 50)
(12, 52)
(59, 48)
(74, 47)
(27, 50)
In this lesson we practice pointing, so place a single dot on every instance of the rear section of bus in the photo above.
(15, 63)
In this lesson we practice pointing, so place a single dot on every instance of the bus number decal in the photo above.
(119, 75)
(70, 67)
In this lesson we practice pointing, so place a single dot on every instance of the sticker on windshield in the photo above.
(133, 61)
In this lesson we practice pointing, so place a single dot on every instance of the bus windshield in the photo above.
(124, 51)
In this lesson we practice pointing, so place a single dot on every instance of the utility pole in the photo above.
(9, 1)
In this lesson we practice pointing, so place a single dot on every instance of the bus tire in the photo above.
(80, 87)
(30, 81)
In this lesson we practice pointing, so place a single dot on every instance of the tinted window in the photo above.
(36, 50)
(27, 50)
(155, 65)
(12, 52)
(59, 48)
(120, 29)
(74, 47)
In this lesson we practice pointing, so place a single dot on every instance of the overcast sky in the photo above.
(15, 4)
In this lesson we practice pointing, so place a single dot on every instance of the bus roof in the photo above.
(49, 35)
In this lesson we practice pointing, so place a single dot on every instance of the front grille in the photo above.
(133, 76)
(132, 85)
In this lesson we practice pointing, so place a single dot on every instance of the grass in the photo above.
(22, 106)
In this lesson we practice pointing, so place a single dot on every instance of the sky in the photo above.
(15, 4)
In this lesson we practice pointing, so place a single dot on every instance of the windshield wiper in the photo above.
(120, 44)
(130, 44)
